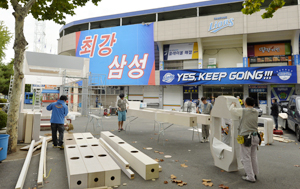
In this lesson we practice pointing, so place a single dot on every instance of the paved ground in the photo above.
(276, 162)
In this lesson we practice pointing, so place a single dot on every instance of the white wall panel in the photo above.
(226, 58)
(136, 93)
(173, 97)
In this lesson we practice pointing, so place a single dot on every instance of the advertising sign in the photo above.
(125, 54)
(282, 92)
(220, 76)
(220, 23)
(183, 51)
(274, 49)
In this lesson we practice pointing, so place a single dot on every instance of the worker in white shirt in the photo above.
(248, 128)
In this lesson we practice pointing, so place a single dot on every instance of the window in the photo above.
(139, 19)
(105, 24)
(219, 9)
(187, 13)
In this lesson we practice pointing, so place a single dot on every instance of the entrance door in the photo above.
(190, 92)
(262, 100)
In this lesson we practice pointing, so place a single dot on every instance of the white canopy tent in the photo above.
(49, 69)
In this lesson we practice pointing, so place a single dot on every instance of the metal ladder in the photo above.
(10, 87)
(37, 98)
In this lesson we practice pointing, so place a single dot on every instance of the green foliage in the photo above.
(27, 87)
(252, 6)
(3, 119)
(3, 100)
(5, 37)
(5, 72)
(55, 10)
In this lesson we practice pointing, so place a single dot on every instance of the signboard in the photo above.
(220, 23)
(183, 51)
(282, 92)
(218, 76)
(50, 87)
(188, 89)
(273, 49)
(125, 54)
(258, 88)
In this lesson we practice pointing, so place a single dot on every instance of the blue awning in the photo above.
(50, 91)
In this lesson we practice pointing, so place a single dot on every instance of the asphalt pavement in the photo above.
(276, 162)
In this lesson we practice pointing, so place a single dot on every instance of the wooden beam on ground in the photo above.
(41, 165)
(22, 177)
(76, 170)
(145, 166)
(123, 164)
(45, 167)
(96, 173)
(36, 143)
(69, 139)
(112, 170)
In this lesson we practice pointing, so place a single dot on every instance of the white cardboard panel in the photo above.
(21, 126)
(28, 128)
(145, 166)
(112, 170)
(76, 170)
(69, 139)
(96, 173)
(36, 126)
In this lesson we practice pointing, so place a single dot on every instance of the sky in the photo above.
(105, 7)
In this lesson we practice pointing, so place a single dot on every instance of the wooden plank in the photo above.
(21, 126)
(145, 166)
(112, 170)
(69, 139)
(96, 173)
(123, 164)
(119, 159)
(23, 173)
(36, 148)
(36, 126)
(37, 143)
(41, 165)
(160, 168)
(79, 139)
(183, 119)
(28, 128)
(76, 170)
(45, 172)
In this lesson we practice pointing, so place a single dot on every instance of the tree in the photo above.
(5, 72)
(252, 6)
(55, 10)
(5, 37)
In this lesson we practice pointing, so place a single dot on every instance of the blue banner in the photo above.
(125, 54)
(251, 75)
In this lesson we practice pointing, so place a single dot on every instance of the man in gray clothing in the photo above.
(205, 109)
(248, 127)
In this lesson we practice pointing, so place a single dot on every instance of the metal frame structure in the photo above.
(91, 83)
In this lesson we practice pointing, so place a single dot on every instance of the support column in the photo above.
(161, 55)
(246, 91)
(295, 47)
(85, 97)
(200, 91)
(200, 53)
(269, 99)
(245, 51)
(160, 95)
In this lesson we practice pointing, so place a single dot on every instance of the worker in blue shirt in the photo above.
(59, 112)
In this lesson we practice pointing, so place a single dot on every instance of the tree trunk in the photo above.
(19, 48)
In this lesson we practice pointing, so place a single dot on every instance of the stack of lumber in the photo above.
(88, 164)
